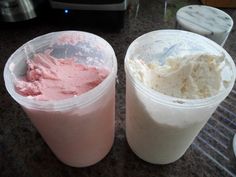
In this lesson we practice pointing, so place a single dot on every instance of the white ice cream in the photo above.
(190, 77)
(159, 132)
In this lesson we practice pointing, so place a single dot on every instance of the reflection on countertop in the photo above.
(24, 153)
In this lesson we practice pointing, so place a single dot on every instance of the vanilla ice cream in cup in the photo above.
(174, 82)
(65, 82)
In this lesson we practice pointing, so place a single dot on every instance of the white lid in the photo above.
(204, 20)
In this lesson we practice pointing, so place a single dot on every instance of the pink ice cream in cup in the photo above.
(65, 82)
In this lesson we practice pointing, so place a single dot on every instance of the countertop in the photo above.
(23, 152)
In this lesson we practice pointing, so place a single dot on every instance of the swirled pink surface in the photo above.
(49, 78)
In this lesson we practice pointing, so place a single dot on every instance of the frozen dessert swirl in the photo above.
(189, 77)
(48, 78)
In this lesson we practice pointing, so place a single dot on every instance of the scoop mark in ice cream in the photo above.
(189, 77)
(48, 78)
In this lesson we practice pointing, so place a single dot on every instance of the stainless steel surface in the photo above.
(18, 10)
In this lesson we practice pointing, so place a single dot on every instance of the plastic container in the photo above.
(160, 128)
(79, 130)
(208, 21)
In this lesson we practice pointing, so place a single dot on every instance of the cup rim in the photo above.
(82, 100)
(174, 101)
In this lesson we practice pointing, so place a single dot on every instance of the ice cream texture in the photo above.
(159, 132)
(49, 78)
(190, 77)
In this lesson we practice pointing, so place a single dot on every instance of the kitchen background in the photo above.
(23, 151)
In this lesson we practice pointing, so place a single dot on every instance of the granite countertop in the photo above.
(24, 153)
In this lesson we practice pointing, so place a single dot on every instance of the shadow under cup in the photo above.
(79, 130)
(160, 128)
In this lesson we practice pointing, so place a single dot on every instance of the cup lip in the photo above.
(81, 101)
(161, 98)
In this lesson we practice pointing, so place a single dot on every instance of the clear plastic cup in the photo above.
(79, 130)
(160, 128)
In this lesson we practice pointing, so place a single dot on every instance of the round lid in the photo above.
(204, 20)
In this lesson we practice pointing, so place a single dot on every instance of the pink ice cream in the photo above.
(48, 78)
(80, 130)
(79, 136)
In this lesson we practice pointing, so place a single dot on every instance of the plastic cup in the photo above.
(160, 128)
(79, 130)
